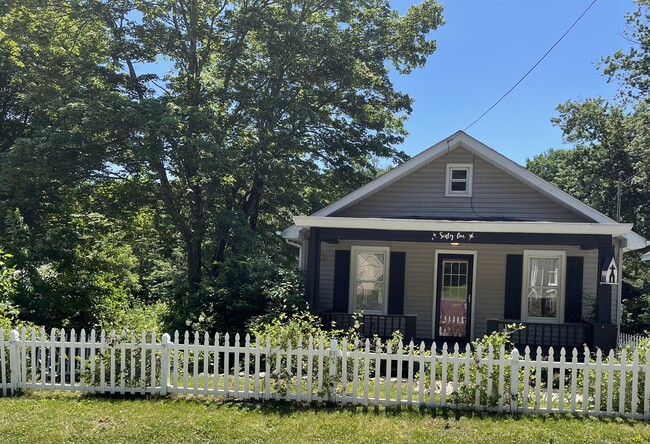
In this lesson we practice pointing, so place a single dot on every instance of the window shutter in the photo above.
(514, 276)
(573, 288)
(396, 283)
(341, 281)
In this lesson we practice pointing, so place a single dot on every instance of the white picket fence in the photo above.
(366, 373)
(631, 341)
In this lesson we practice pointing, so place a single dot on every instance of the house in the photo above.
(460, 241)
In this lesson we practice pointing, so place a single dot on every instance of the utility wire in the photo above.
(534, 66)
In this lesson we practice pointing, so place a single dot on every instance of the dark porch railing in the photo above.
(373, 324)
(537, 334)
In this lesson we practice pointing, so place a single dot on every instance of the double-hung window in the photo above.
(543, 285)
(369, 283)
(458, 180)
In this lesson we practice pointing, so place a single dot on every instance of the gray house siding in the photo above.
(489, 270)
(421, 194)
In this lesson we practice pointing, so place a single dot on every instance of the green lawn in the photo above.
(76, 418)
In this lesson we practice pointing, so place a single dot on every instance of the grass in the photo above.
(47, 417)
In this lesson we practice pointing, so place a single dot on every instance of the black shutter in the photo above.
(341, 281)
(396, 283)
(514, 275)
(573, 288)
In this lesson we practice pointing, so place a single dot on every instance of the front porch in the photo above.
(483, 290)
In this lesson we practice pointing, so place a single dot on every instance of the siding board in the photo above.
(495, 194)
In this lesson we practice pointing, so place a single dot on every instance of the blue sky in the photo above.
(483, 50)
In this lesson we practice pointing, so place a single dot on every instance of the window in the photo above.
(458, 180)
(369, 283)
(543, 285)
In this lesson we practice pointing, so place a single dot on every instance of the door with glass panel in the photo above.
(453, 297)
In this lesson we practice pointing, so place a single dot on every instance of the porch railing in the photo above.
(373, 324)
(538, 334)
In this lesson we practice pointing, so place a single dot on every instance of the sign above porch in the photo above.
(453, 236)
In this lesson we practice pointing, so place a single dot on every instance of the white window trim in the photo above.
(545, 254)
(353, 277)
(470, 174)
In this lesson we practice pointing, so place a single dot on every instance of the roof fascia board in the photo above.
(613, 229)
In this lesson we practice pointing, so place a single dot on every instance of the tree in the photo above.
(269, 108)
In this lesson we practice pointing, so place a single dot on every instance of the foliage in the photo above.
(294, 331)
(266, 110)
(496, 345)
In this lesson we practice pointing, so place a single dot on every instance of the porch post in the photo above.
(313, 268)
(604, 332)
(603, 291)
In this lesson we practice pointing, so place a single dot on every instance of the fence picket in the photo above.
(33, 353)
(502, 363)
(377, 370)
(599, 374)
(344, 370)
(477, 394)
(538, 379)
(526, 379)
(549, 380)
(215, 376)
(562, 373)
(443, 376)
(143, 362)
(267, 368)
(409, 376)
(247, 364)
(646, 386)
(206, 361)
(122, 360)
(432, 376)
(399, 362)
(3, 360)
(235, 371)
(635, 376)
(310, 368)
(586, 377)
(621, 388)
(610, 382)
(574, 379)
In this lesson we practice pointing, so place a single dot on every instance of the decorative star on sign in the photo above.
(471, 236)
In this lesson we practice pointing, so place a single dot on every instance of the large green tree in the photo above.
(268, 108)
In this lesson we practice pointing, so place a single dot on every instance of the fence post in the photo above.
(164, 363)
(331, 383)
(14, 361)
(514, 380)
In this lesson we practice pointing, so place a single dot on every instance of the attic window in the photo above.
(458, 180)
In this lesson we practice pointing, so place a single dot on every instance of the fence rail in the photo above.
(366, 373)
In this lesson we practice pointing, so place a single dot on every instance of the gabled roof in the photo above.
(462, 139)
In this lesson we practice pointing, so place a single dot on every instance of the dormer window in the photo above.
(458, 180)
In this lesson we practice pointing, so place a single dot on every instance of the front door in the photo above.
(454, 297)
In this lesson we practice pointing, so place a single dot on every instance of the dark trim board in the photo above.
(584, 240)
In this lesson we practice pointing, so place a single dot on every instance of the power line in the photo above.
(534, 66)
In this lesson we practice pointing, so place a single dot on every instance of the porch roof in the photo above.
(612, 229)
(532, 227)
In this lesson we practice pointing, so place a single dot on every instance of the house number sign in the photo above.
(450, 236)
